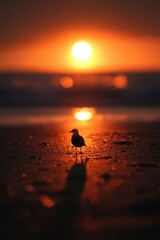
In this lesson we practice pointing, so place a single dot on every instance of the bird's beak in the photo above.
(70, 131)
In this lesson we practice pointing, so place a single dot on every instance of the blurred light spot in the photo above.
(108, 80)
(29, 188)
(66, 82)
(11, 191)
(46, 201)
(24, 175)
(113, 168)
(35, 85)
(120, 81)
(84, 114)
(19, 83)
(55, 81)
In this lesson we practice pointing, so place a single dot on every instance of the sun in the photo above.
(82, 51)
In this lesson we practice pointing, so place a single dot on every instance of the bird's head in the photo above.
(74, 131)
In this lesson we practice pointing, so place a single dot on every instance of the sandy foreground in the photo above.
(111, 191)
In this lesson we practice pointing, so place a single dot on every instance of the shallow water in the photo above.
(47, 115)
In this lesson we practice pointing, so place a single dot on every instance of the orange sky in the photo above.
(124, 37)
(110, 53)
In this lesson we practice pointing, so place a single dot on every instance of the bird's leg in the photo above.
(81, 159)
(76, 151)
(73, 148)
(87, 155)
(80, 151)
(76, 159)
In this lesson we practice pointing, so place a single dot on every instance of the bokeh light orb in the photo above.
(120, 81)
(66, 82)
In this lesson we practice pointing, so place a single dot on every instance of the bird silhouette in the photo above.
(77, 140)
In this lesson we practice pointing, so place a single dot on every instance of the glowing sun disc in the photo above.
(82, 50)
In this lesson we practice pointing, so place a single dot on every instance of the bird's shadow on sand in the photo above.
(62, 225)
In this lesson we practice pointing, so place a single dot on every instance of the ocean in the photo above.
(42, 98)
(50, 115)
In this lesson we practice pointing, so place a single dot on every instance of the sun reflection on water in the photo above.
(76, 116)
(84, 114)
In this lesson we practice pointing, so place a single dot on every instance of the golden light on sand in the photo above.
(82, 51)
(120, 81)
(84, 114)
(66, 82)
(46, 201)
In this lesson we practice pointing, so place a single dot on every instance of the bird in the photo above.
(77, 140)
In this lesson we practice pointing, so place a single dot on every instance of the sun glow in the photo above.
(84, 114)
(82, 51)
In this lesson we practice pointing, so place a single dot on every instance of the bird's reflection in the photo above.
(80, 158)
(63, 223)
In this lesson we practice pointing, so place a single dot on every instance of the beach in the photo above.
(88, 67)
(110, 191)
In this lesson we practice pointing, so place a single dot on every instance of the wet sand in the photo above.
(111, 191)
